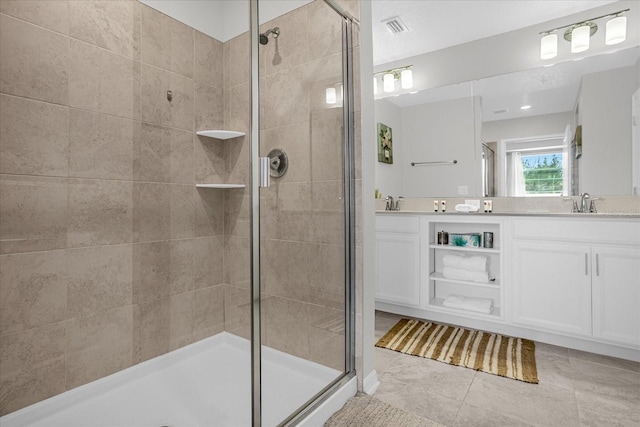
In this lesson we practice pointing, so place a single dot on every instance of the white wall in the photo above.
(605, 165)
(222, 19)
(389, 176)
(441, 131)
(547, 124)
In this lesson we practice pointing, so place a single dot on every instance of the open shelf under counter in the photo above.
(220, 134)
(465, 248)
(439, 277)
(220, 186)
(437, 304)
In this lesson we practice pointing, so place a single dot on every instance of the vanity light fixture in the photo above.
(389, 77)
(579, 34)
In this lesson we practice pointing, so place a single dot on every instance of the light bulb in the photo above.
(616, 30)
(549, 46)
(388, 82)
(406, 79)
(580, 38)
(331, 95)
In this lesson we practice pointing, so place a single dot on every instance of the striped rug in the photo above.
(496, 354)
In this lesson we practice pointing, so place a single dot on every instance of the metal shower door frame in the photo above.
(349, 217)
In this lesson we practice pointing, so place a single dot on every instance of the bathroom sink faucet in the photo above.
(391, 205)
(583, 202)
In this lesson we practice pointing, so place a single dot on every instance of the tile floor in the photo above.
(575, 389)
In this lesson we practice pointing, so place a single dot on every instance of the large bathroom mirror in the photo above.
(568, 122)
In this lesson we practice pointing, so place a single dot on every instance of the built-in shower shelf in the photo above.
(220, 185)
(220, 134)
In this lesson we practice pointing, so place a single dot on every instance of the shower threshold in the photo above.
(206, 384)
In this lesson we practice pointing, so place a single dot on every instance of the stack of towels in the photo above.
(461, 267)
(481, 305)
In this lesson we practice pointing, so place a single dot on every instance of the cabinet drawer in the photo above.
(398, 223)
(578, 229)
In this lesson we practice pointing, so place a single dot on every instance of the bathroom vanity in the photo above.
(565, 279)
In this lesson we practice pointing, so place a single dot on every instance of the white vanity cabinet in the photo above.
(398, 243)
(577, 276)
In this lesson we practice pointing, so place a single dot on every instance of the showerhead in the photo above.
(264, 37)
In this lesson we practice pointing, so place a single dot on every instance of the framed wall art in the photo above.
(385, 144)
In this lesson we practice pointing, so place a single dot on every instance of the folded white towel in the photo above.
(480, 305)
(473, 276)
(469, 263)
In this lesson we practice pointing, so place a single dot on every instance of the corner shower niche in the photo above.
(220, 135)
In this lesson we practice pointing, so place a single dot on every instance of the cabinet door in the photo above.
(616, 294)
(398, 268)
(552, 286)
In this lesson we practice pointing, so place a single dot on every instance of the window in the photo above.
(543, 174)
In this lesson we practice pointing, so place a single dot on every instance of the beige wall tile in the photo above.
(237, 154)
(33, 61)
(291, 49)
(286, 324)
(208, 258)
(100, 146)
(239, 60)
(110, 334)
(33, 290)
(108, 24)
(239, 108)
(208, 211)
(327, 219)
(33, 213)
(166, 43)
(155, 108)
(208, 312)
(151, 329)
(325, 29)
(295, 141)
(100, 279)
(163, 211)
(237, 311)
(237, 257)
(326, 275)
(164, 155)
(162, 325)
(284, 98)
(102, 81)
(326, 336)
(51, 14)
(209, 106)
(237, 215)
(34, 137)
(32, 366)
(320, 74)
(286, 211)
(209, 160)
(285, 267)
(100, 212)
(208, 60)
(165, 268)
(327, 152)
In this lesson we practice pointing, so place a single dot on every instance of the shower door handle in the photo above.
(265, 172)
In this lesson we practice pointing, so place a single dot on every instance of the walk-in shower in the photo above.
(148, 275)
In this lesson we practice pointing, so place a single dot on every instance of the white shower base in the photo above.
(204, 384)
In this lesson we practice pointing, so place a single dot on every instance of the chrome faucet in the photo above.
(391, 205)
(583, 202)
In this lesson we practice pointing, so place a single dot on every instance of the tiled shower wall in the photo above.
(109, 255)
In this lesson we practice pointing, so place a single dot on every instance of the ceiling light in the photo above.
(616, 30)
(388, 82)
(549, 46)
(406, 79)
(580, 36)
(525, 107)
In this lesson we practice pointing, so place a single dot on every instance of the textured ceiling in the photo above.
(435, 25)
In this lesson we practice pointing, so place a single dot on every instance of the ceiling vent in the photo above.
(395, 25)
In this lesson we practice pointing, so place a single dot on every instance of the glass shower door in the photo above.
(304, 213)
